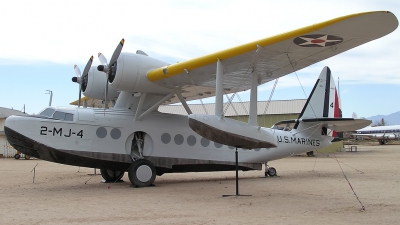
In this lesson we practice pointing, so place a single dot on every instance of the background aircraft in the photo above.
(381, 133)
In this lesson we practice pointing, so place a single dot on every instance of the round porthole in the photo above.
(165, 138)
(217, 145)
(204, 142)
(191, 140)
(101, 132)
(178, 139)
(115, 133)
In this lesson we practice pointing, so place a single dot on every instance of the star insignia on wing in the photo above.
(317, 40)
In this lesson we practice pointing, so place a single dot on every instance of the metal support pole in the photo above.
(51, 96)
(237, 172)
(237, 176)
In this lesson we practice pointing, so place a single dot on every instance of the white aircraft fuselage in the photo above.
(104, 139)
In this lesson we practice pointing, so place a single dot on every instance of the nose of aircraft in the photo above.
(14, 128)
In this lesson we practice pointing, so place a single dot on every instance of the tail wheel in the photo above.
(111, 175)
(142, 173)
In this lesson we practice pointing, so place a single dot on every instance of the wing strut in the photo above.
(253, 100)
(219, 91)
(140, 116)
(227, 131)
(183, 101)
(155, 106)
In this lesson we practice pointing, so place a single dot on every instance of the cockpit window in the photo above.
(63, 116)
(51, 113)
(47, 113)
(69, 117)
(59, 115)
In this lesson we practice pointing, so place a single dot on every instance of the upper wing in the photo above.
(275, 56)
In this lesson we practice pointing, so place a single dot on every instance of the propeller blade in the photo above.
(106, 92)
(77, 71)
(87, 67)
(117, 52)
(80, 95)
(102, 59)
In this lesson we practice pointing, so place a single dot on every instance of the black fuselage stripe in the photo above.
(327, 93)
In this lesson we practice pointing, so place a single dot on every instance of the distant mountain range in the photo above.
(391, 119)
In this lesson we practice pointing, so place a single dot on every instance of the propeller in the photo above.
(82, 79)
(109, 68)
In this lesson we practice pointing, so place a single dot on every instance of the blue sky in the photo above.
(42, 40)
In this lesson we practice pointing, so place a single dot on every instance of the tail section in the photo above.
(322, 108)
(323, 99)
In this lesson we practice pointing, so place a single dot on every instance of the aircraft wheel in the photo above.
(27, 157)
(17, 156)
(111, 175)
(271, 172)
(381, 142)
(310, 154)
(142, 173)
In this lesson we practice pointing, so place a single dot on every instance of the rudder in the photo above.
(323, 100)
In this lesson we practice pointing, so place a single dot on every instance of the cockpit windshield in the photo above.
(58, 115)
(285, 125)
(48, 113)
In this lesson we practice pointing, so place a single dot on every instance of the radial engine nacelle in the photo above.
(93, 87)
(129, 74)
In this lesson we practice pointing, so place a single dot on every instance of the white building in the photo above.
(4, 113)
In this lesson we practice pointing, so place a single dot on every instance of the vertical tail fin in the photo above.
(323, 100)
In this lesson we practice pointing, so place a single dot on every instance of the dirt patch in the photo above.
(307, 190)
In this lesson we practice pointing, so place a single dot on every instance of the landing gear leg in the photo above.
(142, 173)
(269, 171)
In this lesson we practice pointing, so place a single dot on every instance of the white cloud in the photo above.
(68, 32)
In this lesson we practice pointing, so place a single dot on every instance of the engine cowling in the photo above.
(130, 74)
(93, 86)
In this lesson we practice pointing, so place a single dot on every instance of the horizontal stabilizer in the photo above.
(335, 124)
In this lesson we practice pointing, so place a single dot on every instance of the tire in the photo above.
(310, 154)
(142, 173)
(271, 172)
(111, 175)
(27, 157)
(17, 156)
